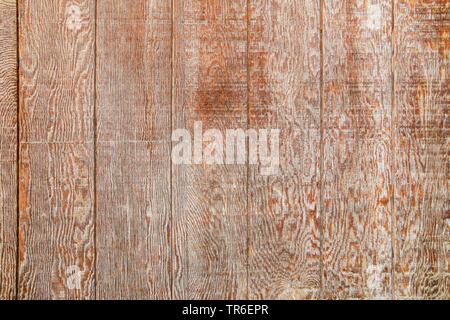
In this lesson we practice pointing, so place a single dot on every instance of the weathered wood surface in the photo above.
(284, 78)
(56, 167)
(421, 149)
(8, 148)
(210, 201)
(357, 209)
(133, 156)
(356, 183)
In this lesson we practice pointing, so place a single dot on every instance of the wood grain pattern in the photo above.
(356, 182)
(92, 206)
(8, 148)
(284, 77)
(56, 225)
(210, 201)
(422, 83)
(133, 190)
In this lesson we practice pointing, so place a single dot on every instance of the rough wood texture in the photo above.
(422, 84)
(209, 201)
(284, 77)
(95, 208)
(8, 148)
(56, 225)
(356, 182)
(133, 159)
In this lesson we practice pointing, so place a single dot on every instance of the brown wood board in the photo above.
(93, 94)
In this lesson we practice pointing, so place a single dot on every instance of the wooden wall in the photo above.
(91, 206)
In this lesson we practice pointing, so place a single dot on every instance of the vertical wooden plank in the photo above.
(284, 53)
(133, 190)
(8, 148)
(357, 184)
(422, 84)
(209, 201)
(56, 221)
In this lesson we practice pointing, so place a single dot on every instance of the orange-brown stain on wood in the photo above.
(221, 92)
